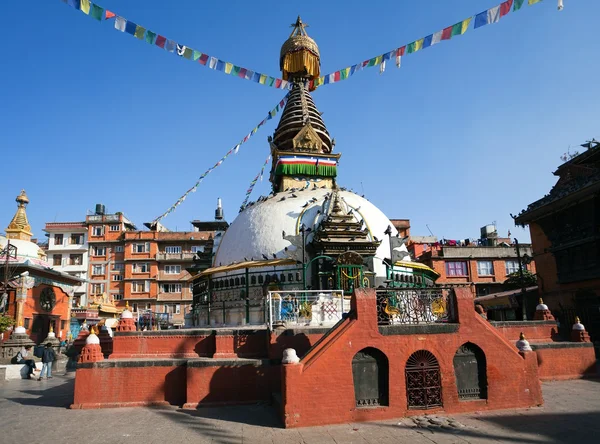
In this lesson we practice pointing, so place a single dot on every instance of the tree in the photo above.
(5, 323)
(514, 281)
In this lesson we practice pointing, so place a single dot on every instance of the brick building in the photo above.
(485, 263)
(565, 235)
(148, 269)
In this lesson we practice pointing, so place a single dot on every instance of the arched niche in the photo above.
(423, 381)
(470, 371)
(370, 371)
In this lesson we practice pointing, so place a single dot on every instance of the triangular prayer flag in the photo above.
(220, 65)
(196, 55)
(85, 6)
(344, 73)
(160, 41)
(263, 79)
(120, 23)
(505, 7)
(518, 4)
(419, 44)
(109, 15)
(437, 38)
(256, 77)
(203, 59)
(212, 64)
(228, 67)
(97, 12)
(271, 81)
(170, 45)
(236, 71)
(130, 28)
(242, 73)
(277, 83)
(411, 47)
(249, 74)
(447, 33)
(188, 53)
(150, 37)
(337, 76)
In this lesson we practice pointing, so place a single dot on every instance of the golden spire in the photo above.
(299, 57)
(541, 301)
(577, 320)
(19, 227)
(522, 336)
(51, 329)
(126, 305)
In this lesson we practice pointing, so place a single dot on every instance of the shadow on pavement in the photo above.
(261, 415)
(529, 428)
(56, 396)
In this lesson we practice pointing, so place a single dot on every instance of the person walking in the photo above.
(24, 357)
(48, 357)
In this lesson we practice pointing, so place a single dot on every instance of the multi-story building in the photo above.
(148, 269)
(565, 234)
(107, 253)
(67, 251)
(485, 263)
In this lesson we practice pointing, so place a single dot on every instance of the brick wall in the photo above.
(534, 331)
(326, 371)
(565, 360)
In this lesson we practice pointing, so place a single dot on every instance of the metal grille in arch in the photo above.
(423, 381)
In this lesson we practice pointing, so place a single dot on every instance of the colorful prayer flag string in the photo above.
(124, 25)
(253, 183)
(492, 15)
(233, 150)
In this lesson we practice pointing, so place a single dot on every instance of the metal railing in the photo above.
(415, 306)
(306, 308)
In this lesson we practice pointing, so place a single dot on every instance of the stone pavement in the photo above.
(37, 412)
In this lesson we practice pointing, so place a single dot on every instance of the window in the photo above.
(141, 267)
(135, 307)
(119, 249)
(57, 259)
(177, 308)
(456, 268)
(97, 230)
(97, 288)
(512, 266)
(58, 239)
(140, 286)
(191, 288)
(115, 228)
(117, 277)
(27, 323)
(76, 239)
(97, 270)
(172, 288)
(141, 248)
(172, 269)
(197, 249)
(76, 259)
(172, 250)
(148, 306)
(485, 268)
(99, 251)
(118, 266)
(118, 297)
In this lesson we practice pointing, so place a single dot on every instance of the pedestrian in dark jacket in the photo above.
(48, 357)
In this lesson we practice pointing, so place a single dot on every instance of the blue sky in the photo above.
(463, 134)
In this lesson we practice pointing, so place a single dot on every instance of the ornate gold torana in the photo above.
(19, 227)
(299, 57)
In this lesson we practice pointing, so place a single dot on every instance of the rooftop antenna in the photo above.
(362, 188)
(430, 232)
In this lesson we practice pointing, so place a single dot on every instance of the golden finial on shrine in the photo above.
(522, 336)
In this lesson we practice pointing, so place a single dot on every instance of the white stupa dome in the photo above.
(258, 230)
(26, 251)
(92, 339)
(578, 326)
(20, 330)
(126, 314)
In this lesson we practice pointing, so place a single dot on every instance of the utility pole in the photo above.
(8, 252)
(522, 281)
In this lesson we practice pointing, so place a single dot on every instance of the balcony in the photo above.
(174, 277)
(185, 256)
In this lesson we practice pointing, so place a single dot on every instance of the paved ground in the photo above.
(36, 412)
